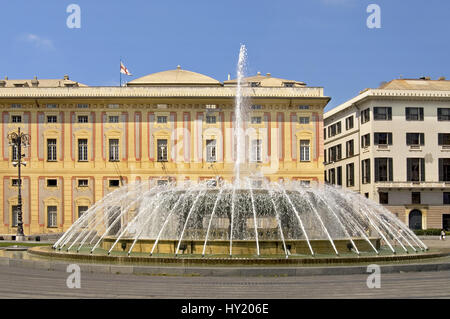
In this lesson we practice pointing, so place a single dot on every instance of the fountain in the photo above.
(239, 219)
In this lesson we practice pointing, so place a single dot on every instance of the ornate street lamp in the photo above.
(17, 141)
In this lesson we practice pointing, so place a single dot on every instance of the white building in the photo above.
(392, 144)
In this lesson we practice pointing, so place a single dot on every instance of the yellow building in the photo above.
(174, 125)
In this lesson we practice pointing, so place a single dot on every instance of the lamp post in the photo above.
(17, 141)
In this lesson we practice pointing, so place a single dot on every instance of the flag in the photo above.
(123, 69)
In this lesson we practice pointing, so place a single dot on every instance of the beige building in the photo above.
(174, 125)
(392, 144)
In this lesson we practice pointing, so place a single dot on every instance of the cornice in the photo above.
(158, 92)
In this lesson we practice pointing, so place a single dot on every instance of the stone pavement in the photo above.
(35, 283)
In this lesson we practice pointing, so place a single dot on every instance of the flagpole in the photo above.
(120, 72)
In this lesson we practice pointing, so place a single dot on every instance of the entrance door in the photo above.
(446, 221)
(415, 219)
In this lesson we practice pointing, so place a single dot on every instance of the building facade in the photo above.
(392, 144)
(175, 125)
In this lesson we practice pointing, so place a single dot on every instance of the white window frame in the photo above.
(305, 150)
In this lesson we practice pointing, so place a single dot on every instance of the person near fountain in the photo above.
(442, 234)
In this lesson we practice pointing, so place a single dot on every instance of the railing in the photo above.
(413, 184)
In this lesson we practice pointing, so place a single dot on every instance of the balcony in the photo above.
(418, 184)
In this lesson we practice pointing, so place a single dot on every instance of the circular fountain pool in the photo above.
(237, 220)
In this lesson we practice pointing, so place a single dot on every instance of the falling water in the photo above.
(283, 213)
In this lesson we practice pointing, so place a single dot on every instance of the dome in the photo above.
(175, 77)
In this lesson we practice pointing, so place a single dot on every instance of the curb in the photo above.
(220, 271)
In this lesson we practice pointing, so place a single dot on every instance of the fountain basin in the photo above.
(240, 247)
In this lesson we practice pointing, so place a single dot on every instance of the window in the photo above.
(81, 211)
(334, 129)
(303, 120)
(415, 138)
(304, 151)
(325, 155)
(443, 114)
(114, 183)
(52, 182)
(349, 123)
(210, 119)
(415, 169)
(161, 119)
(365, 171)
(350, 172)
(113, 150)
(162, 182)
(289, 85)
(365, 116)
(210, 150)
(335, 153)
(415, 197)
(256, 120)
(51, 150)
(15, 182)
(365, 140)
(382, 138)
(83, 183)
(256, 107)
(52, 106)
(211, 106)
(305, 183)
(254, 84)
(444, 139)
(256, 151)
(16, 106)
(366, 195)
(82, 150)
(52, 119)
(83, 119)
(303, 107)
(324, 133)
(332, 176)
(446, 198)
(383, 169)
(162, 150)
(16, 119)
(349, 148)
(83, 106)
(51, 216)
(414, 113)
(339, 176)
(444, 169)
(15, 215)
(382, 113)
(384, 197)
(113, 119)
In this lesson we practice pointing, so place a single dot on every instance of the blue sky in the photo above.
(321, 42)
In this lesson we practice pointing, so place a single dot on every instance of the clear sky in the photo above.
(321, 42)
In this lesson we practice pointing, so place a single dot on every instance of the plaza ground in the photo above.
(16, 282)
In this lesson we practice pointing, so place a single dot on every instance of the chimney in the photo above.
(66, 77)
